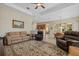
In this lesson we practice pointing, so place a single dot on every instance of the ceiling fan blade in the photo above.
(36, 7)
(42, 6)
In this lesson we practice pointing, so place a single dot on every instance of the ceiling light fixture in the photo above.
(39, 5)
(27, 7)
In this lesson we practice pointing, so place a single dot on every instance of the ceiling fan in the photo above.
(39, 5)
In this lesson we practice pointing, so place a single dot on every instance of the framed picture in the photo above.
(17, 24)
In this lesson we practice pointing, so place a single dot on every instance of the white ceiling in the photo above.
(40, 12)
(32, 7)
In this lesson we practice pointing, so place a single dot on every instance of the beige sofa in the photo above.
(15, 37)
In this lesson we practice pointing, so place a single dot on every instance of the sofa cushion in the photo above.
(18, 38)
(23, 33)
(26, 38)
(14, 33)
(71, 37)
(16, 41)
(14, 38)
(72, 33)
(75, 33)
(68, 39)
(68, 33)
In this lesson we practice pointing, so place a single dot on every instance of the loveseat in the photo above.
(67, 39)
(15, 37)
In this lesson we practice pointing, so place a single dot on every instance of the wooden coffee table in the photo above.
(73, 51)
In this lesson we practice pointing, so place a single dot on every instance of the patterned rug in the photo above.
(34, 48)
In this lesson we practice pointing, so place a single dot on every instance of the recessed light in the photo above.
(27, 7)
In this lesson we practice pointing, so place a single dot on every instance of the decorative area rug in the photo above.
(34, 48)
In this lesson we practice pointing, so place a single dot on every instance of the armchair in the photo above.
(39, 36)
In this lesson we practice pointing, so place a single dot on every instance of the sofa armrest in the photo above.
(7, 40)
(63, 42)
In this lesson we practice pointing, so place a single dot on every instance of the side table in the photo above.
(32, 36)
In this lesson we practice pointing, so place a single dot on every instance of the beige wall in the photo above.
(74, 21)
(7, 14)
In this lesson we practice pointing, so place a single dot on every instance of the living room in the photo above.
(21, 24)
